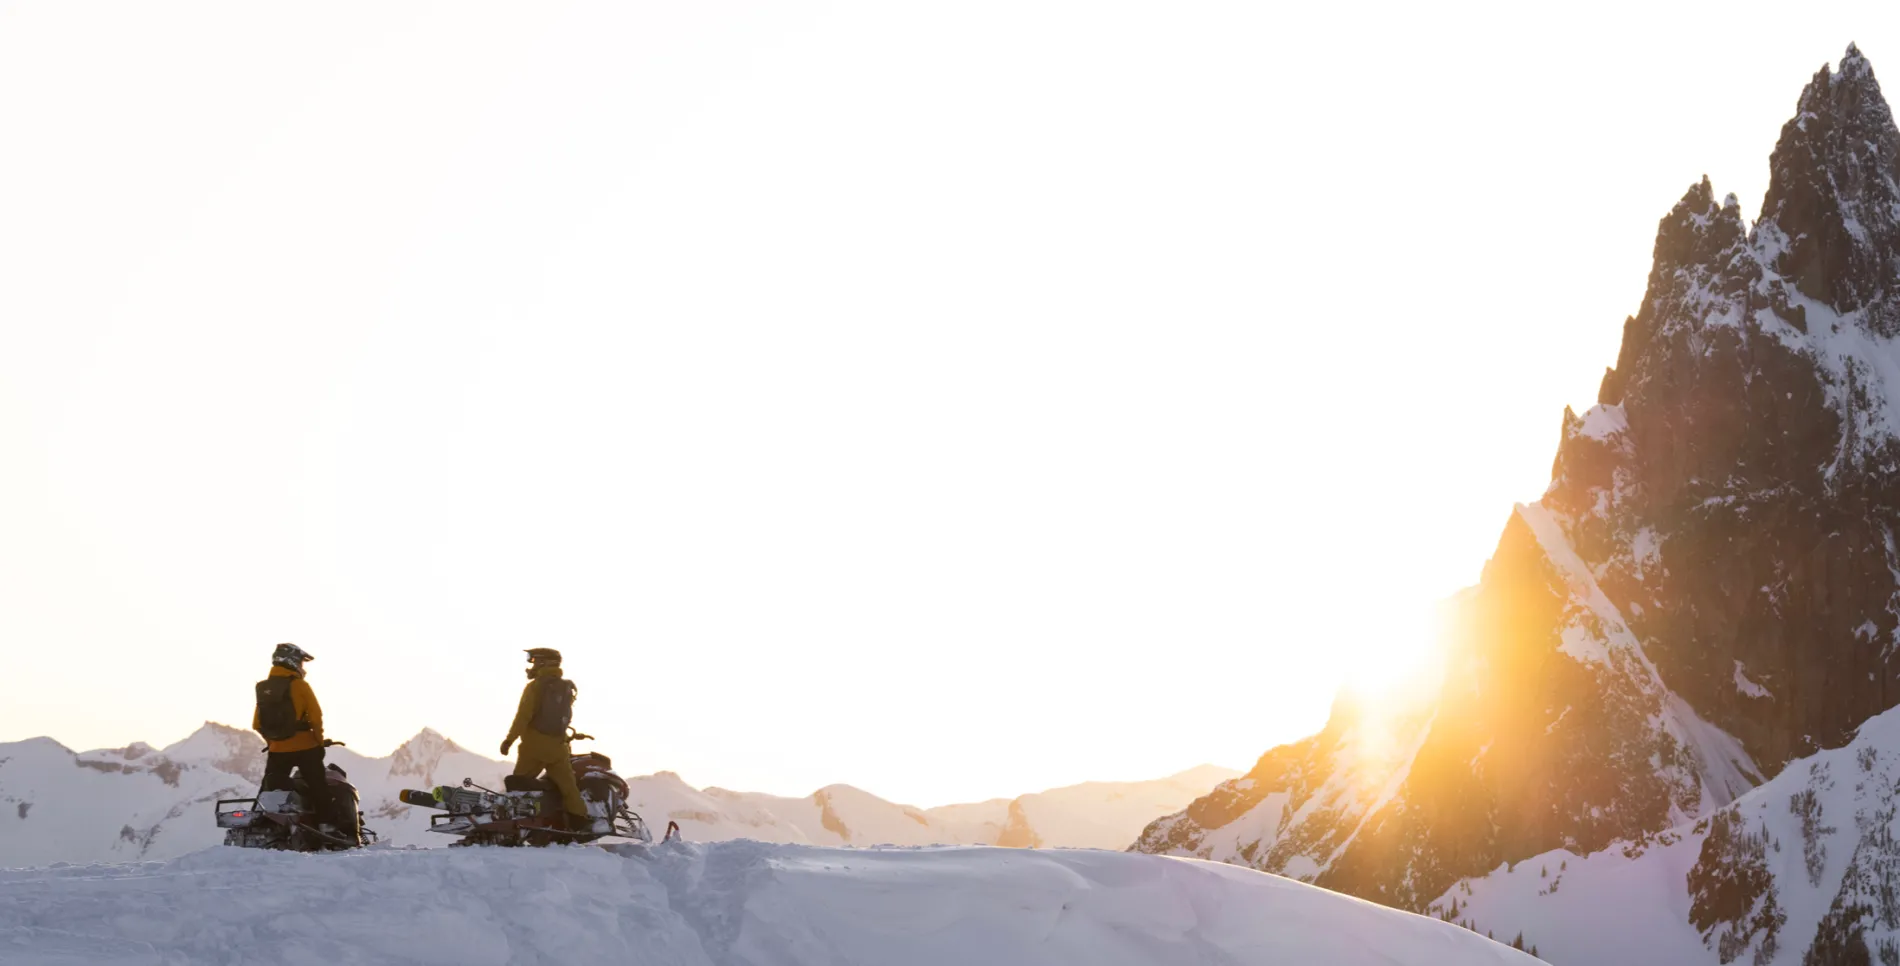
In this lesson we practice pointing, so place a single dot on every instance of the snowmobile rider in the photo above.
(541, 724)
(290, 719)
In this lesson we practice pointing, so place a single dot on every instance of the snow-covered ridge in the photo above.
(1305, 804)
(721, 904)
(1362, 806)
(144, 803)
(1802, 869)
(1599, 632)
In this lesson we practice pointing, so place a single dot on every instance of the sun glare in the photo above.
(1397, 656)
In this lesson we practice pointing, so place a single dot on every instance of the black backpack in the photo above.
(555, 711)
(276, 715)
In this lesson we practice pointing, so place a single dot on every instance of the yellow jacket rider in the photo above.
(291, 721)
(541, 725)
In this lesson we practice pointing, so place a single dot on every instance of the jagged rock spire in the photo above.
(1695, 276)
(1831, 215)
(1709, 589)
(1697, 232)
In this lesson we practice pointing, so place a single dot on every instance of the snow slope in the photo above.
(721, 904)
(1801, 869)
(140, 802)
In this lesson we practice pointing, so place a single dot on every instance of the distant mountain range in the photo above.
(140, 802)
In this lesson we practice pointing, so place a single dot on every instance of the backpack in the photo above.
(276, 714)
(555, 711)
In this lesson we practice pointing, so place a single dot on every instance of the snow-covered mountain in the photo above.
(145, 803)
(1804, 869)
(696, 904)
(141, 802)
(1092, 815)
(1707, 595)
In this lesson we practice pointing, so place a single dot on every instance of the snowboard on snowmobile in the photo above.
(529, 811)
(279, 819)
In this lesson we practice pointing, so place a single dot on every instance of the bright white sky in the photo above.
(954, 400)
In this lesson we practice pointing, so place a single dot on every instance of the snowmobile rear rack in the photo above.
(278, 818)
(530, 812)
(236, 817)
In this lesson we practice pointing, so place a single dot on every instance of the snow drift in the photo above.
(728, 903)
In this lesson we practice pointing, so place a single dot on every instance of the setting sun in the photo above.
(1401, 659)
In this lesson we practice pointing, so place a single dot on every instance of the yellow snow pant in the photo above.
(540, 753)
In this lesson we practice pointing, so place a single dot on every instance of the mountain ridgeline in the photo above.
(145, 803)
(1708, 591)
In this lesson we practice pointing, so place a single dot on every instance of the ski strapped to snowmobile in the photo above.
(529, 811)
(278, 818)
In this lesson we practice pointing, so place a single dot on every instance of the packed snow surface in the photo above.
(739, 903)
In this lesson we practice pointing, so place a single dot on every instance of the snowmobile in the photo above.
(529, 811)
(278, 819)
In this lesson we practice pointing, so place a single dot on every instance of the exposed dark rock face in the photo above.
(420, 756)
(1755, 464)
(1833, 195)
(1017, 831)
(828, 816)
(1709, 589)
(226, 748)
(1551, 729)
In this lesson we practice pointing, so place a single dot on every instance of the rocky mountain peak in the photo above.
(1736, 489)
(1833, 202)
(1699, 227)
(1709, 588)
(419, 756)
(213, 741)
(430, 738)
(1855, 73)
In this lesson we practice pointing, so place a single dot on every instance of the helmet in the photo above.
(540, 657)
(291, 656)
